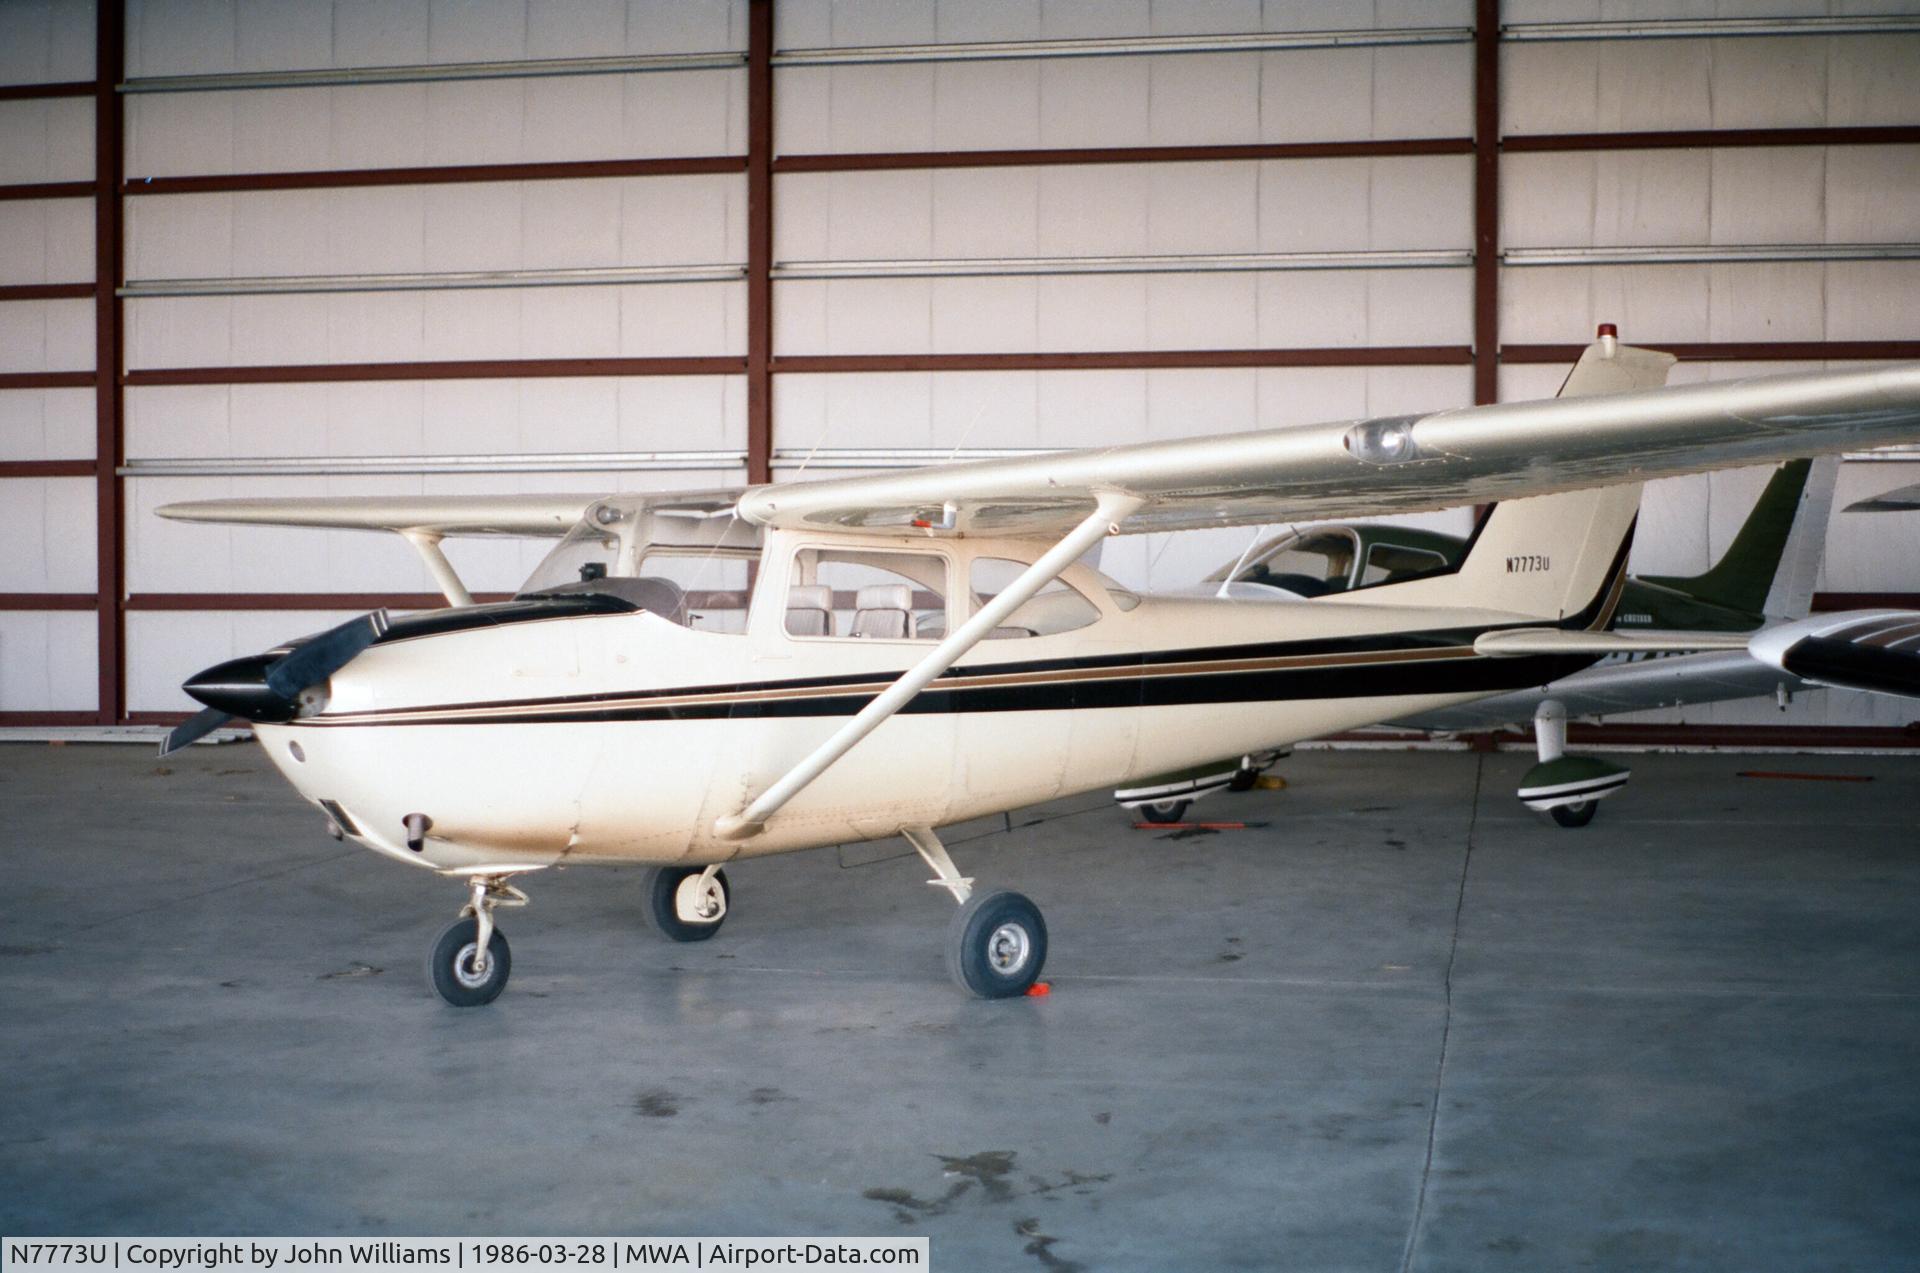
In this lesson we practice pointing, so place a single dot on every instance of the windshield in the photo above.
(693, 568)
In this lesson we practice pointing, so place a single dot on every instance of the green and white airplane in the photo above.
(1765, 577)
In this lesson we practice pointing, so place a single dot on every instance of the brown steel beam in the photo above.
(46, 720)
(348, 177)
(48, 190)
(1701, 138)
(46, 468)
(46, 292)
(1062, 156)
(109, 432)
(49, 601)
(48, 379)
(298, 600)
(1134, 360)
(480, 369)
(1486, 201)
(1736, 351)
(760, 241)
(27, 92)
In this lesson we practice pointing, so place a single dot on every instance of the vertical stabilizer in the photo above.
(1769, 568)
(1553, 557)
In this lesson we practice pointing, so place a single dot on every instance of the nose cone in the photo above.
(239, 688)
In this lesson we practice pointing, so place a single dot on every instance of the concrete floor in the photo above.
(1402, 1024)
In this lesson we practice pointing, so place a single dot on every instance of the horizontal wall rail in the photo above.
(478, 369)
(1120, 46)
(365, 465)
(1737, 351)
(1711, 254)
(1710, 28)
(1208, 263)
(43, 601)
(440, 281)
(47, 468)
(1136, 360)
(424, 73)
(29, 92)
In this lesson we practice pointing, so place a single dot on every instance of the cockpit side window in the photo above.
(1396, 563)
(863, 594)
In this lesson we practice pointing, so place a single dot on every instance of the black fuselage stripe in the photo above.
(1467, 674)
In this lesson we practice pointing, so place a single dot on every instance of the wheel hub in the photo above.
(700, 900)
(464, 967)
(1008, 948)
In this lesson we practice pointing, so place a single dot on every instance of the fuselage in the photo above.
(527, 736)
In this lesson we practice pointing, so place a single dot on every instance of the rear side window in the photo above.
(1055, 608)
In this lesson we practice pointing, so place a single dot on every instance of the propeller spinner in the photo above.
(267, 687)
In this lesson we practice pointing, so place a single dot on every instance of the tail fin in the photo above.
(1770, 567)
(1556, 557)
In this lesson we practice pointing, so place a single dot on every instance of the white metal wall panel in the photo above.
(46, 336)
(543, 119)
(46, 424)
(644, 320)
(1582, 86)
(1189, 99)
(1801, 300)
(1286, 206)
(46, 241)
(46, 41)
(969, 409)
(46, 140)
(47, 527)
(388, 229)
(48, 661)
(438, 418)
(210, 37)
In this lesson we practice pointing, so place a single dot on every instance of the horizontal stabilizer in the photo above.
(1516, 642)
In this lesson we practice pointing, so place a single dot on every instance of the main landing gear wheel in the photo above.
(1577, 814)
(686, 903)
(1166, 810)
(458, 976)
(997, 945)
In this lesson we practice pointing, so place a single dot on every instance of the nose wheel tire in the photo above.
(685, 904)
(998, 945)
(1166, 810)
(451, 968)
(1575, 815)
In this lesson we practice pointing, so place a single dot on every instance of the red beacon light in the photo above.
(1609, 336)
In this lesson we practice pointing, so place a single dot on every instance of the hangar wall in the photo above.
(586, 244)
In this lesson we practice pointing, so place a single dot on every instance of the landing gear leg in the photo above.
(997, 944)
(471, 961)
(1566, 788)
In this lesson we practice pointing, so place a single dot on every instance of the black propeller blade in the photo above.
(261, 688)
(193, 729)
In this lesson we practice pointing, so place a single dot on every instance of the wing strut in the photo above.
(428, 546)
(1113, 509)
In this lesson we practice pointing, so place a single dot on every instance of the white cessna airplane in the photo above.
(609, 714)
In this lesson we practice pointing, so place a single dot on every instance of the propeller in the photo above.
(261, 687)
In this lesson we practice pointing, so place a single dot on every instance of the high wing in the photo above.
(436, 515)
(1394, 464)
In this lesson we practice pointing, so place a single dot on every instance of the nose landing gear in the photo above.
(470, 963)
